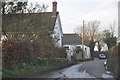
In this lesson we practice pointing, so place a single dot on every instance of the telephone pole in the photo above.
(83, 39)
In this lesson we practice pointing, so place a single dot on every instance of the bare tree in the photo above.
(3, 7)
(37, 8)
(113, 28)
(99, 40)
(13, 7)
(91, 29)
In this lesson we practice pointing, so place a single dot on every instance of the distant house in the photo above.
(33, 22)
(104, 47)
(72, 41)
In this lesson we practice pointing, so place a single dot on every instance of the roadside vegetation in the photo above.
(37, 66)
(21, 56)
(113, 61)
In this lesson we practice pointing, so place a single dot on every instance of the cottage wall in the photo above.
(72, 50)
(58, 32)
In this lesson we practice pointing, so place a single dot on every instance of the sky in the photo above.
(73, 12)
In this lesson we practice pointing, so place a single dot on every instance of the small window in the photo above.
(78, 47)
(66, 47)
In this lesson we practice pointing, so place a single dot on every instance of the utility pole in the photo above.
(83, 39)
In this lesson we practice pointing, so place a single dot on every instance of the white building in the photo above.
(73, 41)
(104, 47)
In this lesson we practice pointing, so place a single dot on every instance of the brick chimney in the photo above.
(54, 8)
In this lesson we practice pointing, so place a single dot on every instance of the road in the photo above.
(96, 68)
(70, 72)
(90, 69)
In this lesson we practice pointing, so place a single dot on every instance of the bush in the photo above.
(16, 52)
(113, 61)
(37, 66)
(51, 61)
(60, 53)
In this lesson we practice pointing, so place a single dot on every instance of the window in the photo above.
(66, 47)
(78, 47)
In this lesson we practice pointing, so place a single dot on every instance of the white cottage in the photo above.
(34, 22)
(104, 47)
(72, 41)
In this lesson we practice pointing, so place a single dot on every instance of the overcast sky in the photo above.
(73, 12)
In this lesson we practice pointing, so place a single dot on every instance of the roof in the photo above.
(72, 39)
(28, 22)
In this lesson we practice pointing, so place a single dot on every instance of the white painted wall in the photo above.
(104, 47)
(87, 52)
(96, 47)
(72, 48)
(58, 34)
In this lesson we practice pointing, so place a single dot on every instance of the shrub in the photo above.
(18, 52)
(60, 53)
(15, 52)
(27, 47)
(113, 61)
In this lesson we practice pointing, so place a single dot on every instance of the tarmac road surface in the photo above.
(91, 69)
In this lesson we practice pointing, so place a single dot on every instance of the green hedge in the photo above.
(40, 65)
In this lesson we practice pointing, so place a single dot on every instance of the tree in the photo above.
(99, 40)
(37, 8)
(91, 29)
(109, 36)
(92, 44)
(3, 7)
(12, 7)
(109, 39)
